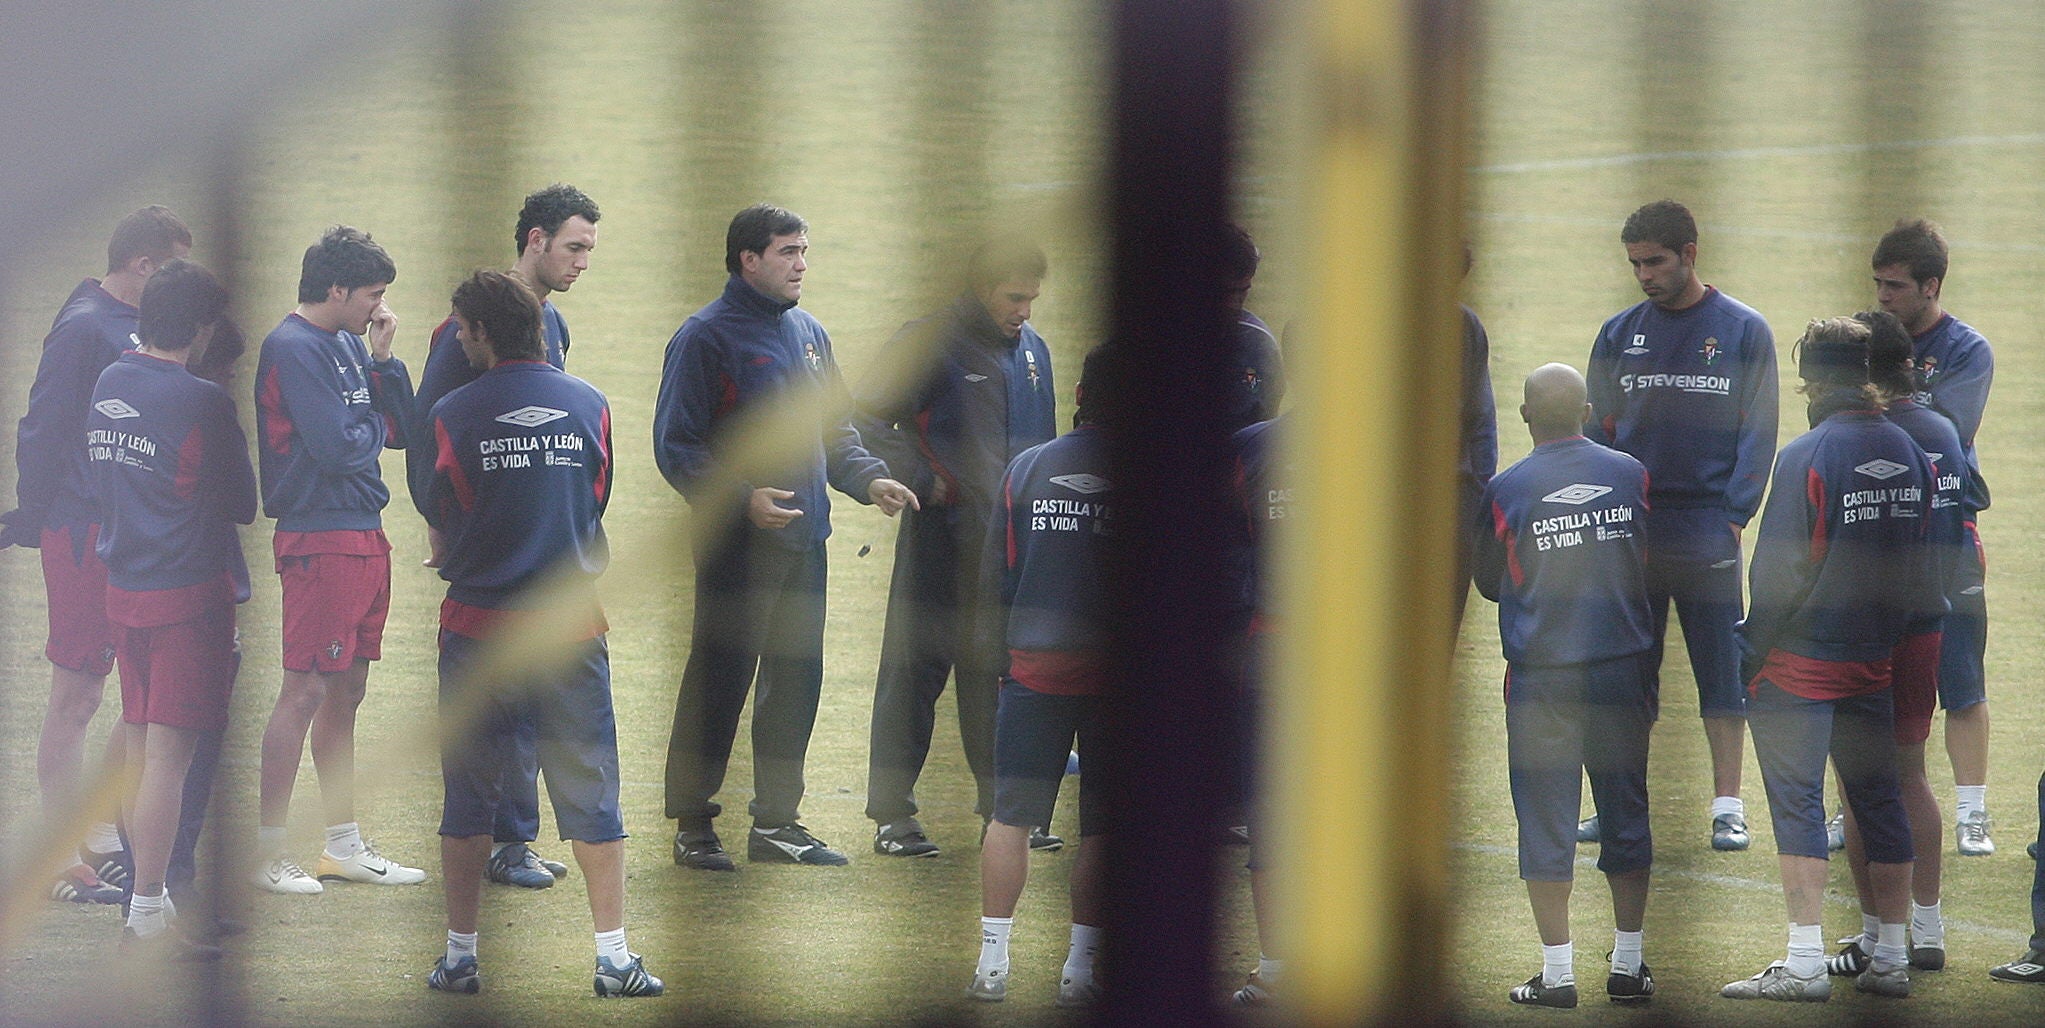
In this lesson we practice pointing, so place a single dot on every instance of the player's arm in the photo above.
(887, 399)
(450, 493)
(848, 465)
(1488, 558)
(998, 563)
(1601, 377)
(336, 438)
(1780, 575)
(447, 369)
(695, 389)
(604, 465)
(1480, 406)
(230, 489)
(51, 430)
(1760, 410)
(1962, 393)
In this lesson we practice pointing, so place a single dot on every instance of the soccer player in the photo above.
(2029, 969)
(1046, 554)
(1561, 553)
(329, 403)
(521, 475)
(1954, 368)
(1914, 663)
(1685, 382)
(984, 395)
(1477, 459)
(1841, 574)
(171, 474)
(759, 541)
(555, 236)
(1258, 386)
(58, 514)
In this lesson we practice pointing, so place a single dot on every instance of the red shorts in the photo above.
(334, 608)
(1914, 664)
(178, 674)
(81, 638)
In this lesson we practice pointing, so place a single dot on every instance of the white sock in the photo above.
(1927, 926)
(103, 837)
(1079, 959)
(611, 946)
(1558, 964)
(344, 840)
(145, 915)
(1870, 931)
(1728, 805)
(459, 945)
(1268, 969)
(1889, 950)
(496, 848)
(1971, 799)
(1806, 957)
(1626, 955)
(994, 946)
(269, 842)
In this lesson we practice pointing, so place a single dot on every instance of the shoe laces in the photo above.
(288, 869)
(1975, 827)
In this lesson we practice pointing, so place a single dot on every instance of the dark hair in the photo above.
(178, 301)
(1888, 353)
(547, 208)
(507, 312)
(1239, 254)
(152, 231)
(1004, 258)
(1103, 385)
(1917, 244)
(216, 362)
(753, 230)
(344, 257)
(1665, 222)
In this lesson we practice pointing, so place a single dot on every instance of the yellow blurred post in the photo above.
(1363, 728)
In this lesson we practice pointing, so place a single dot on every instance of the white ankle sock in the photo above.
(1728, 805)
(1558, 964)
(1079, 958)
(1870, 929)
(1626, 952)
(1926, 925)
(269, 842)
(994, 945)
(103, 837)
(1268, 969)
(611, 946)
(344, 840)
(1970, 799)
(459, 945)
(1806, 958)
(146, 914)
(1889, 947)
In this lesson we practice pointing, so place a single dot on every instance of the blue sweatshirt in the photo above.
(1561, 553)
(1047, 547)
(325, 413)
(746, 349)
(52, 486)
(1947, 532)
(1957, 366)
(1264, 477)
(448, 369)
(171, 475)
(1692, 395)
(985, 399)
(1841, 568)
(1478, 459)
(1257, 383)
(521, 476)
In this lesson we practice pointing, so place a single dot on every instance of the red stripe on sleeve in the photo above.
(191, 453)
(277, 427)
(603, 471)
(1814, 491)
(445, 463)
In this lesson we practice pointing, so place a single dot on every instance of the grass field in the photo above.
(1797, 133)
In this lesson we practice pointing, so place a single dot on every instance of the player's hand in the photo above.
(891, 496)
(383, 330)
(437, 543)
(764, 512)
(21, 528)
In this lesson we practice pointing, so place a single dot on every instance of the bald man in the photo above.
(1559, 551)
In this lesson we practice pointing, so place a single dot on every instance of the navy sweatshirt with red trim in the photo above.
(1956, 366)
(171, 475)
(324, 414)
(1947, 533)
(448, 369)
(1560, 550)
(1047, 552)
(985, 399)
(52, 485)
(1264, 477)
(1692, 395)
(741, 351)
(521, 476)
(1841, 565)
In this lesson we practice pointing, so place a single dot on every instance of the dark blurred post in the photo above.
(1170, 161)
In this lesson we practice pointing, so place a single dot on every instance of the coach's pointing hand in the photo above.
(765, 513)
(891, 496)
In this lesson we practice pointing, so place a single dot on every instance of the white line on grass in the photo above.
(1745, 152)
(2005, 935)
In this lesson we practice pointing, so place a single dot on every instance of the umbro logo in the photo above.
(976, 378)
(1577, 494)
(531, 417)
(1639, 346)
(1083, 483)
(116, 409)
(1882, 470)
(1935, 457)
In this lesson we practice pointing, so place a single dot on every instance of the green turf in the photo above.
(899, 128)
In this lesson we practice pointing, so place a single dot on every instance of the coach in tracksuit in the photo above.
(521, 476)
(1561, 551)
(172, 476)
(1685, 382)
(1046, 564)
(1842, 572)
(985, 397)
(761, 516)
(556, 233)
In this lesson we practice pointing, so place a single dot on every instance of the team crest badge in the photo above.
(1927, 369)
(810, 354)
(1250, 378)
(334, 650)
(1030, 358)
(1710, 351)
